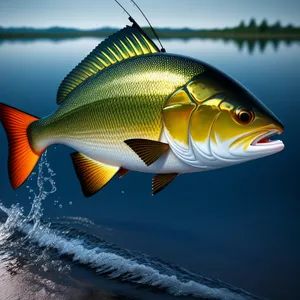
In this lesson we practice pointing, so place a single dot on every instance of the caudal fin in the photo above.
(21, 158)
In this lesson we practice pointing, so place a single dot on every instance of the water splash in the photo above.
(16, 219)
(44, 182)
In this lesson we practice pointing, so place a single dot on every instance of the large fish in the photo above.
(128, 106)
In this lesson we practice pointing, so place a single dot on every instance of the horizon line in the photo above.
(118, 28)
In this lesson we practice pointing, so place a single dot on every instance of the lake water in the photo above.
(238, 230)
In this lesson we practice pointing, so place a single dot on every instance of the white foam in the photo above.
(102, 260)
(117, 265)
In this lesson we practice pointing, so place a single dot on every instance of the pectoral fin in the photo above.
(149, 151)
(92, 174)
(160, 181)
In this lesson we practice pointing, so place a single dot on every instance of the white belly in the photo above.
(121, 155)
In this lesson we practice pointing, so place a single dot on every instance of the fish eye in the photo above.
(244, 116)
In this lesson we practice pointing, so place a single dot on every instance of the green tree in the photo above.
(242, 25)
(252, 24)
(289, 26)
(277, 25)
(263, 26)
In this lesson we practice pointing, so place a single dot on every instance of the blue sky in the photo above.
(169, 13)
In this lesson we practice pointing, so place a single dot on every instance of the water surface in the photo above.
(239, 224)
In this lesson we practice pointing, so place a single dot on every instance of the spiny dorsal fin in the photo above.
(148, 151)
(92, 174)
(160, 181)
(124, 44)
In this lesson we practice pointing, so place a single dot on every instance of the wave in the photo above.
(104, 258)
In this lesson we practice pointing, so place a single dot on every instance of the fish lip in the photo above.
(275, 145)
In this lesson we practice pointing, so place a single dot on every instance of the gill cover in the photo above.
(188, 116)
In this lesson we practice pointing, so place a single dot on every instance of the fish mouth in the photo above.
(263, 142)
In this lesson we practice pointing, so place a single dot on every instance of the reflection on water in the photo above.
(26, 285)
(261, 44)
(250, 45)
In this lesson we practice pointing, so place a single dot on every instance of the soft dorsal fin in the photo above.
(128, 42)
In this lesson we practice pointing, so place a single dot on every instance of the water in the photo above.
(239, 224)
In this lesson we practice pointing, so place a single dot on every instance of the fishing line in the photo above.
(131, 19)
(154, 32)
(124, 9)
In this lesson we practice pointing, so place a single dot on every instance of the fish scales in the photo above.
(122, 102)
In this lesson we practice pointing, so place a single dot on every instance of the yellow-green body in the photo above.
(124, 101)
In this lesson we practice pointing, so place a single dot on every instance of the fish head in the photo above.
(237, 126)
(213, 122)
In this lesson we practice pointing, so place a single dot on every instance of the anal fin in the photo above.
(92, 174)
(160, 181)
(122, 172)
(149, 151)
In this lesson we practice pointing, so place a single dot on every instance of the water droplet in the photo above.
(123, 192)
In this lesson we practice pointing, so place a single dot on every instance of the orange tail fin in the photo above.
(21, 158)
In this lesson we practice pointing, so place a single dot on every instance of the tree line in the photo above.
(264, 27)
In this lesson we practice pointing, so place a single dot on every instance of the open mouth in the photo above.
(265, 141)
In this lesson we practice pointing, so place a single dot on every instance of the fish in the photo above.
(129, 106)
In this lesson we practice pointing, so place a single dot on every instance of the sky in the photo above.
(162, 13)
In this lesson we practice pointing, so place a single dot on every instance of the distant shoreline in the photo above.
(207, 34)
(252, 32)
